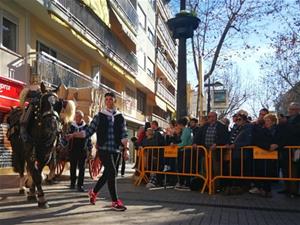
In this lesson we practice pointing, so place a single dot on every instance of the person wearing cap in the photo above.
(112, 141)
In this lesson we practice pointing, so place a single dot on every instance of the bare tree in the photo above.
(282, 66)
(224, 28)
(237, 91)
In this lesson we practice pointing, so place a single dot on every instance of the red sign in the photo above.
(10, 90)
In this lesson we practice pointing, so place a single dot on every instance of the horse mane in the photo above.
(23, 96)
(69, 112)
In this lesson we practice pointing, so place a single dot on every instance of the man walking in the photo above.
(110, 127)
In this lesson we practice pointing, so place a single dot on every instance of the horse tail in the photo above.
(23, 96)
(18, 155)
(69, 111)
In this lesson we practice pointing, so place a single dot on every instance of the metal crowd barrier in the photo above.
(225, 156)
(193, 162)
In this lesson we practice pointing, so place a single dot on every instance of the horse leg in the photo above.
(31, 196)
(22, 184)
(22, 177)
(37, 178)
(51, 175)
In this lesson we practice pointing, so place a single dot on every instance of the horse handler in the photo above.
(110, 127)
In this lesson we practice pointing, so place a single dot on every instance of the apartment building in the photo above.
(122, 46)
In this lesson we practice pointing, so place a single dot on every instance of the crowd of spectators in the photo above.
(269, 131)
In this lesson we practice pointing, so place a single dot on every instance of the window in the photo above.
(142, 17)
(107, 82)
(8, 32)
(219, 96)
(150, 34)
(130, 102)
(141, 59)
(141, 101)
(153, 4)
(44, 48)
(150, 68)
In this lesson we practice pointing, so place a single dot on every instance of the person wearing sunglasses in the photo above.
(241, 137)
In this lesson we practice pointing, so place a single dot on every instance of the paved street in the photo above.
(156, 206)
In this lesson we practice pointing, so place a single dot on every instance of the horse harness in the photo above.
(35, 106)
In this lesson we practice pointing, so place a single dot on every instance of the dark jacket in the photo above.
(293, 128)
(198, 136)
(80, 144)
(244, 137)
(221, 138)
(175, 139)
(149, 142)
(159, 137)
(102, 131)
(264, 137)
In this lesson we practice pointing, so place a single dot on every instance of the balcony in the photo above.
(128, 11)
(163, 123)
(164, 31)
(170, 72)
(90, 26)
(53, 71)
(164, 9)
(12, 65)
(165, 94)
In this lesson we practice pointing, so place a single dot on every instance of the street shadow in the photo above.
(56, 214)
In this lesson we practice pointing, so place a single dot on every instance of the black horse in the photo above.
(42, 133)
(18, 154)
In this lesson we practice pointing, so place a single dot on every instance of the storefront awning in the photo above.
(133, 120)
(10, 90)
(160, 103)
(100, 8)
(171, 109)
(126, 28)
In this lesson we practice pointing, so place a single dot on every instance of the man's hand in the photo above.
(273, 147)
(68, 137)
(126, 154)
(213, 147)
(125, 143)
(232, 146)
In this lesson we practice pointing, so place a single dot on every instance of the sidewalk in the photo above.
(155, 206)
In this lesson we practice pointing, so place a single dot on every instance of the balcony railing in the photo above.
(171, 74)
(164, 9)
(102, 36)
(128, 11)
(165, 94)
(161, 121)
(53, 71)
(166, 34)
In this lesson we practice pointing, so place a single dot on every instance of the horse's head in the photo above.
(46, 107)
(49, 104)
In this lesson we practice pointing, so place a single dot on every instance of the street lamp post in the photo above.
(182, 27)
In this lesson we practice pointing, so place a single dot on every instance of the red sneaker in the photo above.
(92, 196)
(118, 206)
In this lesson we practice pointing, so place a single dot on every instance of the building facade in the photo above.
(122, 46)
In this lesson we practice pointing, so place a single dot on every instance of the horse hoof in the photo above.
(22, 192)
(32, 198)
(43, 205)
(50, 182)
